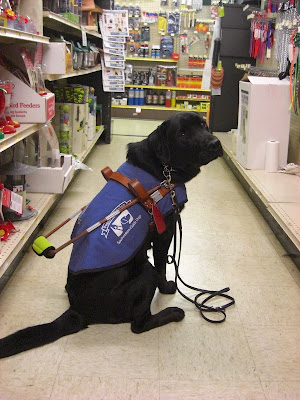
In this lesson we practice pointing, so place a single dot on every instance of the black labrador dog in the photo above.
(182, 144)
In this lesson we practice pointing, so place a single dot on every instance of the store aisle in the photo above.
(254, 355)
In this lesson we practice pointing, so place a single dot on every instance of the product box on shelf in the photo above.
(27, 106)
(57, 58)
(263, 115)
(71, 17)
(91, 126)
(189, 81)
(51, 180)
(166, 76)
(70, 124)
(78, 94)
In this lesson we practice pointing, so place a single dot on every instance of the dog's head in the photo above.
(182, 142)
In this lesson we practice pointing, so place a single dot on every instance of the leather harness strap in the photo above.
(135, 187)
(116, 176)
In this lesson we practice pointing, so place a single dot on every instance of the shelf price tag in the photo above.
(84, 38)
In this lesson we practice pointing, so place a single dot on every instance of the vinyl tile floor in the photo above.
(253, 355)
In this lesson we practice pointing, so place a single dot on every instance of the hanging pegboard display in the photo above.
(167, 49)
(161, 27)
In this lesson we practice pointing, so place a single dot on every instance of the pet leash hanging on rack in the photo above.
(211, 294)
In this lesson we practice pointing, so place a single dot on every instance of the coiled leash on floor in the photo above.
(201, 305)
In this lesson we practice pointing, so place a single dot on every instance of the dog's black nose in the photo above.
(215, 146)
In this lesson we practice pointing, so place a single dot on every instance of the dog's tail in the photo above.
(35, 336)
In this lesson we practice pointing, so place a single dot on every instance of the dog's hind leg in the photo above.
(170, 314)
(142, 319)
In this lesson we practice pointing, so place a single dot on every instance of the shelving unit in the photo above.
(168, 88)
(12, 250)
(90, 77)
(72, 74)
(161, 108)
(41, 202)
(24, 131)
(275, 194)
(191, 99)
(8, 36)
(161, 112)
(155, 60)
(56, 22)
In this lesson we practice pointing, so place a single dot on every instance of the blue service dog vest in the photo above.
(118, 240)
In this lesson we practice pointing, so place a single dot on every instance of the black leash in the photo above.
(199, 303)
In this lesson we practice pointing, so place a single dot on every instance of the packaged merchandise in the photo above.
(128, 74)
(173, 25)
(173, 99)
(166, 75)
(166, 47)
(149, 97)
(161, 99)
(142, 97)
(168, 98)
(145, 33)
(58, 58)
(131, 97)
(136, 96)
(155, 98)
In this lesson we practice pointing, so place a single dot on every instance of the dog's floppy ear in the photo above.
(158, 141)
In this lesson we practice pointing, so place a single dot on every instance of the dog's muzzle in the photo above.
(215, 148)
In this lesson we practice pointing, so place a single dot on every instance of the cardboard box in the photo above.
(91, 127)
(51, 180)
(86, 126)
(57, 58)
(263, 115)
(27, 106)
(70, 124)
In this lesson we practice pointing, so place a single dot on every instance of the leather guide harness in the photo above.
(148, 199)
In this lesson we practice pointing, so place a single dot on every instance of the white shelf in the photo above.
(24, 131)
(280, 193)
(12, 36)
(42, 203)
(11, 248)
(54, 77)
(58, 23)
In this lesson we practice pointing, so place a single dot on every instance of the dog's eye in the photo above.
(182, 133)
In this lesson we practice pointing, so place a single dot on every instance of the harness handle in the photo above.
(138, 190)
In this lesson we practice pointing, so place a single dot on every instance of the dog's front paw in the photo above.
(177, 314)
(167, 287)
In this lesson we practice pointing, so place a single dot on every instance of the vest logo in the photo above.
(121, 223)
